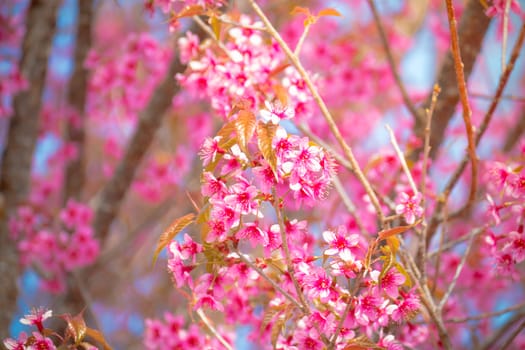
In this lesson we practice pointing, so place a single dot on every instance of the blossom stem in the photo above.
(212, 329)
(402, 159)
(458, 271)
(261, 273)
(287, 256)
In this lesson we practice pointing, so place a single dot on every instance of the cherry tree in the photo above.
(287, 175)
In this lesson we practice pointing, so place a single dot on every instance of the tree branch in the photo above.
(471, 32)
(109, 200)
(515, 133)
(77, 91)
(467, 112)
(390, 57)
(21, 140)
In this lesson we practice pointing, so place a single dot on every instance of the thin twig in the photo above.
(226, 20)
(422, 239)
(494, 338)
(212, 329)
(391, 62)
(324, 110)
(434, 223)
(519, 99)
(287, 256)
(452, 244)
(350, 206)
(462, 85)
(426, 298)
(505, 34)
(211, 34)
(452, 285)
(402, 159)
(486, 314)
(300, 43)
(338, 156)
(277, 287)
(513, 335)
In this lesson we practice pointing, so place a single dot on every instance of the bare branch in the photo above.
(467, 112)
(434, 223)
(390, 57)
(107, 204)
(21, 141)
(472, 28)
(515, 133)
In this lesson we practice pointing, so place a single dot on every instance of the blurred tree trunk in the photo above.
(76, 98)
(21, 139)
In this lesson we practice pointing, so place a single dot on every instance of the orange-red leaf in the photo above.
(76, 327)
(329, 12)
(98, 337)
(191, 10)
(297, 10)
(395, 231)
(167, 236)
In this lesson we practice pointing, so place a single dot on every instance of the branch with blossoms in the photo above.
(301, 228)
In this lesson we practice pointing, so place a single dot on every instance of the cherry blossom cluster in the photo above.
(506, 209)
(172, 333)
(55, 248)
(75, 334)
(247, 68)
(38, 339)
(121, 85)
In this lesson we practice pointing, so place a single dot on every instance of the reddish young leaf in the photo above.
(396, 230)
(167, 236)
(98, 337)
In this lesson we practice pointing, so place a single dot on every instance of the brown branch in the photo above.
(390, 57)
(483, 127)
(515, 133)
(467, 112)
(110, 198)
(498, 334)
(472, 28)
(77, 91)
(512, 98)
(21, 140)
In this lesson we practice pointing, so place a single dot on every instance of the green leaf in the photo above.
(167, 236)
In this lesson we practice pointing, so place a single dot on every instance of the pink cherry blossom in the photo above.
(408, 206)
